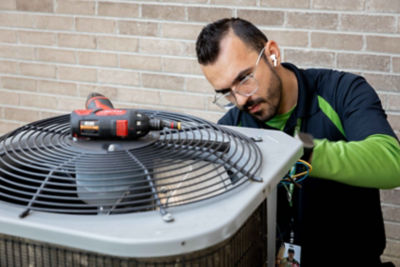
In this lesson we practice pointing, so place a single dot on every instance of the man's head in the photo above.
(234, 51)
(207, 45)
(291, 253)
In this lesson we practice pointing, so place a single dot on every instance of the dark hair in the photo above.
(208, 41)
(290, 250)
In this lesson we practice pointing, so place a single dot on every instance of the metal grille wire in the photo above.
(44, 169)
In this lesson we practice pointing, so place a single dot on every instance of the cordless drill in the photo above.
(101, 121)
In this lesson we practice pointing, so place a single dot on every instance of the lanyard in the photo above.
(292, 130)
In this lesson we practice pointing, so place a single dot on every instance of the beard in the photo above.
(269, 102)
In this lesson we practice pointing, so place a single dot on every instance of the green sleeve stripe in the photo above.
(331, 114)
(373, 162)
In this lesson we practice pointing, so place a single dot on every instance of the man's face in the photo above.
(236, 60)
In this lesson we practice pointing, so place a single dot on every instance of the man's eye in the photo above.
(242, 78)
(223, 91)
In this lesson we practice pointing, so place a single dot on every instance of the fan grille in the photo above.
(44, 169)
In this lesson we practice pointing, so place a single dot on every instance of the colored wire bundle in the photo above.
(297, 173)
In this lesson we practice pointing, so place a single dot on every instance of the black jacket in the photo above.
(331, 220)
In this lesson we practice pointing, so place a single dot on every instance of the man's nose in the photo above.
(241, 100)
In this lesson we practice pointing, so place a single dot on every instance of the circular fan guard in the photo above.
(44, 169)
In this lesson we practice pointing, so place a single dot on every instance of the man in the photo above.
(289, 261)
(355, 150)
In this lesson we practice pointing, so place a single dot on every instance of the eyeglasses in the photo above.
(247, 86)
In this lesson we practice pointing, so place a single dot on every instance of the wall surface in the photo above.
(141, 54)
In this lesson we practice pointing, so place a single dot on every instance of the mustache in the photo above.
(250, 103)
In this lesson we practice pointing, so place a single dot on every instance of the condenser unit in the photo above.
(189, 197)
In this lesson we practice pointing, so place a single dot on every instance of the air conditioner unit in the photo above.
(189, 197)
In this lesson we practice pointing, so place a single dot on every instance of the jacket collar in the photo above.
(307, 102)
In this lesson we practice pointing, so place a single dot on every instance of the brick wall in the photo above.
(141, 54)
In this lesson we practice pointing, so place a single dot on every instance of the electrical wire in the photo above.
(295, 176)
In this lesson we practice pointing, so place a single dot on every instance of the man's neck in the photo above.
(290, 90)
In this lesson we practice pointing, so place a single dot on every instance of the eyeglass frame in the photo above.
(218, 94)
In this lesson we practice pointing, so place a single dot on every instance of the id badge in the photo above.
(289, 255)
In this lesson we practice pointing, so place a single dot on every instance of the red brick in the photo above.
(18, 20)
(180, 30)
(118, 77)
(207, 115)
(118, 43)
(363, 62)
(368, 23)
(384, 82)
(67, 104)
(309, 20)
(391, 196)
(392, 230)
(287, 37)
(55, 23)
(17, 52)
(56, 88)
(386, 6)
(394, 121)
(309, 58)
(84, 90)
(9, 98)
(133, 95)
(35, 5)
(76, 7)
(185, 101)
(77, 74)
(383, 44)
(48, 114)
(336, 41)
(392, 248)
(163, 12)
(76, 40)
(41, 70)
(198, 85)
(395, 261)
(345, 5)
(95, 25)
(208, 14)
(98, 59)
(34, 37)
(261, 17)
(140, 62)
(8, 36)
(19, 83)
(138, 28)
(118, 9)
(7, 126)
(8, 5)
(56, 55)
(166, 47)
(9, 67)
(159, 81)
(286, 3)
(38, 101)
(234, 2)
(179, 65)
(396, 64)
(21, 114)
(391, 212)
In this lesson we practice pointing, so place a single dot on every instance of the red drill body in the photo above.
(102, 121)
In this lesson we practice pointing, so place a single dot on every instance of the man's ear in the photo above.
(273, 53)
